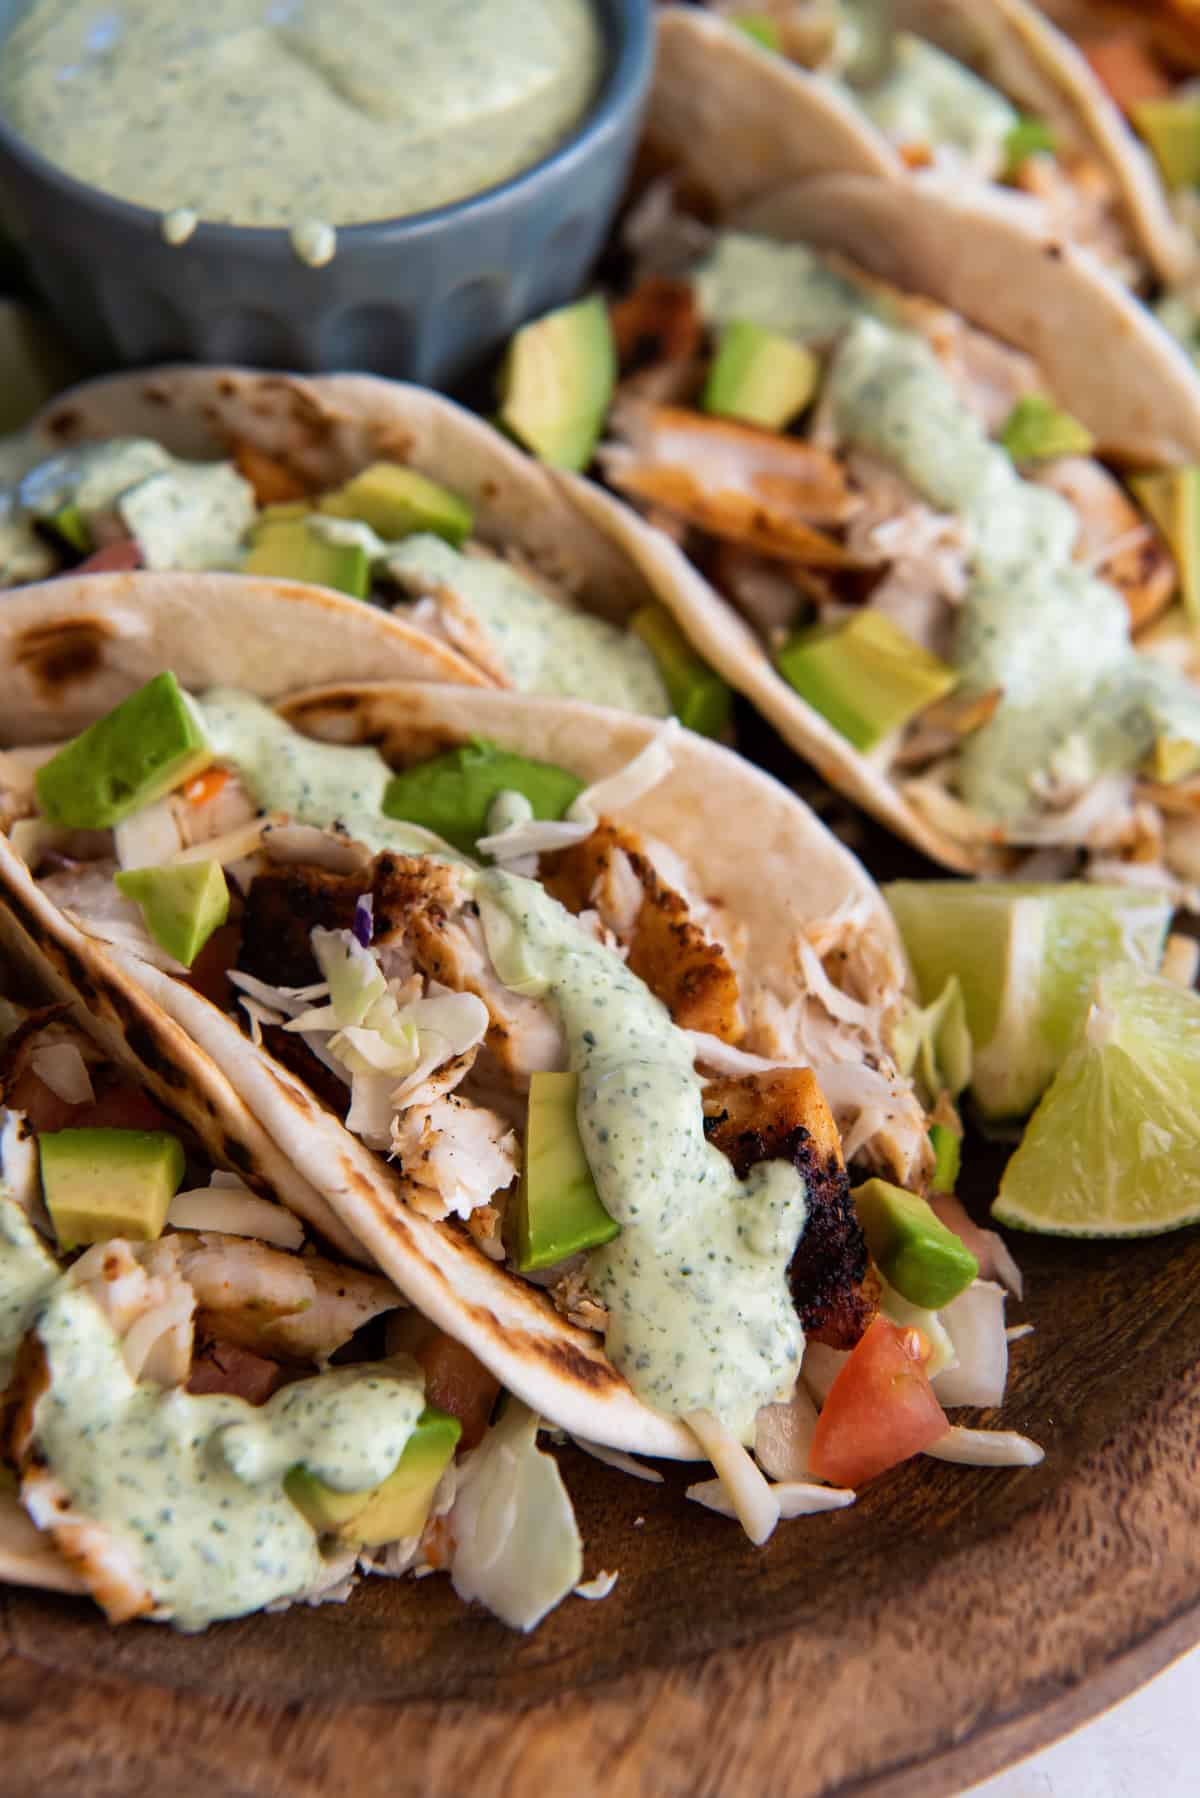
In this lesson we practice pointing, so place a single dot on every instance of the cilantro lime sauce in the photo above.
(544, 646)
(323, 784)
(782, 287)
(286, 112)
(700, 1316)
(193, 1485)
(27, 1272)
(1034, 622)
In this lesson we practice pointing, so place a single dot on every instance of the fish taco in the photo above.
(938, 475)
(573, 1019)
(976, 96)
(381, 511)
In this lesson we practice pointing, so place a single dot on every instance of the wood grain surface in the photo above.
(952, 1620)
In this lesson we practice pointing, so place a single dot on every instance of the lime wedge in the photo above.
(1026, 957)
(1114, 1147)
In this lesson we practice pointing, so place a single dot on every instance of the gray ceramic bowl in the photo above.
(426, 297)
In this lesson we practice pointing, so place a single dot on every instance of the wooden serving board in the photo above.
(949, 1622)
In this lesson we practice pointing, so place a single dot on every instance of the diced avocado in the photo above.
(1036, 431)
(557, 381)
(913, 1250)
(1172, 498)
(397, 501)
(759, 26)
(865, 675)
(1172, 758)
(1172, 130)
(558, 1208)
(182, 905)
(395, 1509)
(947, 1152)
(70, 524)
(759, 377)
(102, 1183)
(1028, 137)
(699, 698)
(287, 548)
(151, 742)
(453, 793)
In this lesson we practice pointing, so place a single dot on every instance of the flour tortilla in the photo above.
(749, 843)
(755, 121)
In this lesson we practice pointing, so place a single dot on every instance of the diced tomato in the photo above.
(458, 1383)
(121, 1108)
(209, 972)
(916, 156)
(114, 558)
(880, 1410)
(205, 786)
(273, 481)
(1126, 70)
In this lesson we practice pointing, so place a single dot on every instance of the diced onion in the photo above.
(748, 1492)
(599, 1587)
(140, 1340)
(149, 837)
(986, 1448)
(61, 1067)
(783, 1436)
(820, 1368)
(975, 1322)
(235, 1214)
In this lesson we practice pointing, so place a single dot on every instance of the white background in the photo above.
(1146, 1747)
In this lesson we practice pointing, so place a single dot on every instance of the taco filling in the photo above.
(389, 536)
(924, 544)
(208, 1414)
(552, 1039)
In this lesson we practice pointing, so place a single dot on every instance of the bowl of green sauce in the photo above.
(392, 185)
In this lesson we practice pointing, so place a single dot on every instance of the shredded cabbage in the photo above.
(517, 1544)
(537, 835)
(935, 1043)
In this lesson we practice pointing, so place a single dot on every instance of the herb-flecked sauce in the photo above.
(193, 1485)
(278, 112)
(700, 1317)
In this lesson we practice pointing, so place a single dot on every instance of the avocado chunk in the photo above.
(102, 1183)
(70, 524)
(285, 547)
(1172, 498)
(913, 1250)
(557, 381)
(865, 675)
(182, 904)
(947, 1153)
(1172, 130)
(761, 27)
(397, 501)
(1028, 137)
(759, 377)
(698, 696)
(399, 1506)
(152, 742)
(1036, 431)
(452, 794)
(558, 1208)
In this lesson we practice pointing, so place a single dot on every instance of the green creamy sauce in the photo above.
(700, 1316)
(928, 98)
(277, 112)
(1034, 622)
(193, 1484)
(782, 287)
(544, 646)
(314, 783)
(183, 515)
(27, 1272)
